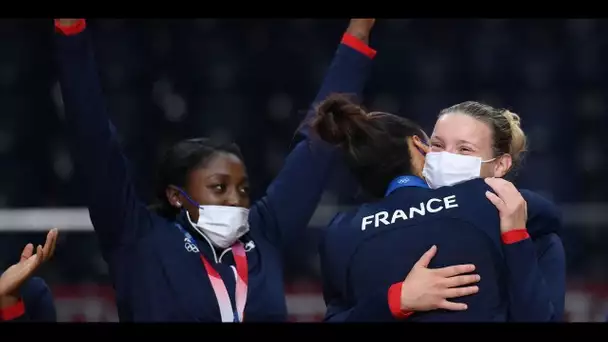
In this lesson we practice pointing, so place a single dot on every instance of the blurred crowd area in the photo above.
(252, 81)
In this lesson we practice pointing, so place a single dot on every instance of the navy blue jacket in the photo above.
(369, 249)
(36, 304)
(523, 284)
(529, 281)
(537, 290)
(154, 277)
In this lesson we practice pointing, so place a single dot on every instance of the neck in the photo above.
(406, 181)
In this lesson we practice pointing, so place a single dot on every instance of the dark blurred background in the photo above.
(252, 80)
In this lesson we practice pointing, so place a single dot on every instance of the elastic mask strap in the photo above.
(193, 202)
(420, 150)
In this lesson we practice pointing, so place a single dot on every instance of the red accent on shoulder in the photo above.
(394, 301)
(73, 29)
(514, 236)
(12, 312)
(357, 44)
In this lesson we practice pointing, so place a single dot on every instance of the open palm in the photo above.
(14, 276)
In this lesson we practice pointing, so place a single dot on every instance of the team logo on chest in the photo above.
(249, 246)
(189, 246)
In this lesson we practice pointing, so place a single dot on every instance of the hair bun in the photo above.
(519, 143)
(338, 119)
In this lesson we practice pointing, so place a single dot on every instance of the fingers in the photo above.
(451, 271)
(497, 201)
(497, 184)
(503, 188)
(461, 280)
(51, 242)
(447, 305)
(426, 258)
(460, 291)
(27, 268)
(33, 262)
(42, 253)
(27, 252)
(39, 256)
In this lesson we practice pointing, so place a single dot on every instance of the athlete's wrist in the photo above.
(70, 26)
(514, 235)
(398, 307)
(356, 42)
(11, 308)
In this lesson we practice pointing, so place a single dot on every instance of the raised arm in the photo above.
(293, 196)
(115, 209)
(350, 68)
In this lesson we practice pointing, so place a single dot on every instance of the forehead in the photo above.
(223, 159)
(458, 126)
(221, 163)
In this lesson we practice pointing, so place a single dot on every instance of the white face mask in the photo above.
(222, 225)
(446, 169)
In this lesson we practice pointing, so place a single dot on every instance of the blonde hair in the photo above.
(507, 135)
(519, 141)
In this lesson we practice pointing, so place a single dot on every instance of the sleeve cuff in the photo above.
(73, 29)
(515, 236)
(358, 45)
(12, 312)
(394, 302)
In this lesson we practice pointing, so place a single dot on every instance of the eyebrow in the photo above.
(467, 142)
(458, 142)
(225, 175)
(217, 174)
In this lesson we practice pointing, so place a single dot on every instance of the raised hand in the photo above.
(66, 22)
(361, 28)
(12, 279)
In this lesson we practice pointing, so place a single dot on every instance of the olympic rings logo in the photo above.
(191, 247)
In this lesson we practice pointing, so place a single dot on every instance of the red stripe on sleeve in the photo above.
(394, 301)
(69, 30)
(357, 44)
(12, 312)
(514, 236)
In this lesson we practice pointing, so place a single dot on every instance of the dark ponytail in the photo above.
(375, 144)
(339, 120)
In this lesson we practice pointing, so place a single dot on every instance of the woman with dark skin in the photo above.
(208, 254)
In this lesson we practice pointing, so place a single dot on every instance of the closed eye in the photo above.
(435, 146)
(466, 150)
